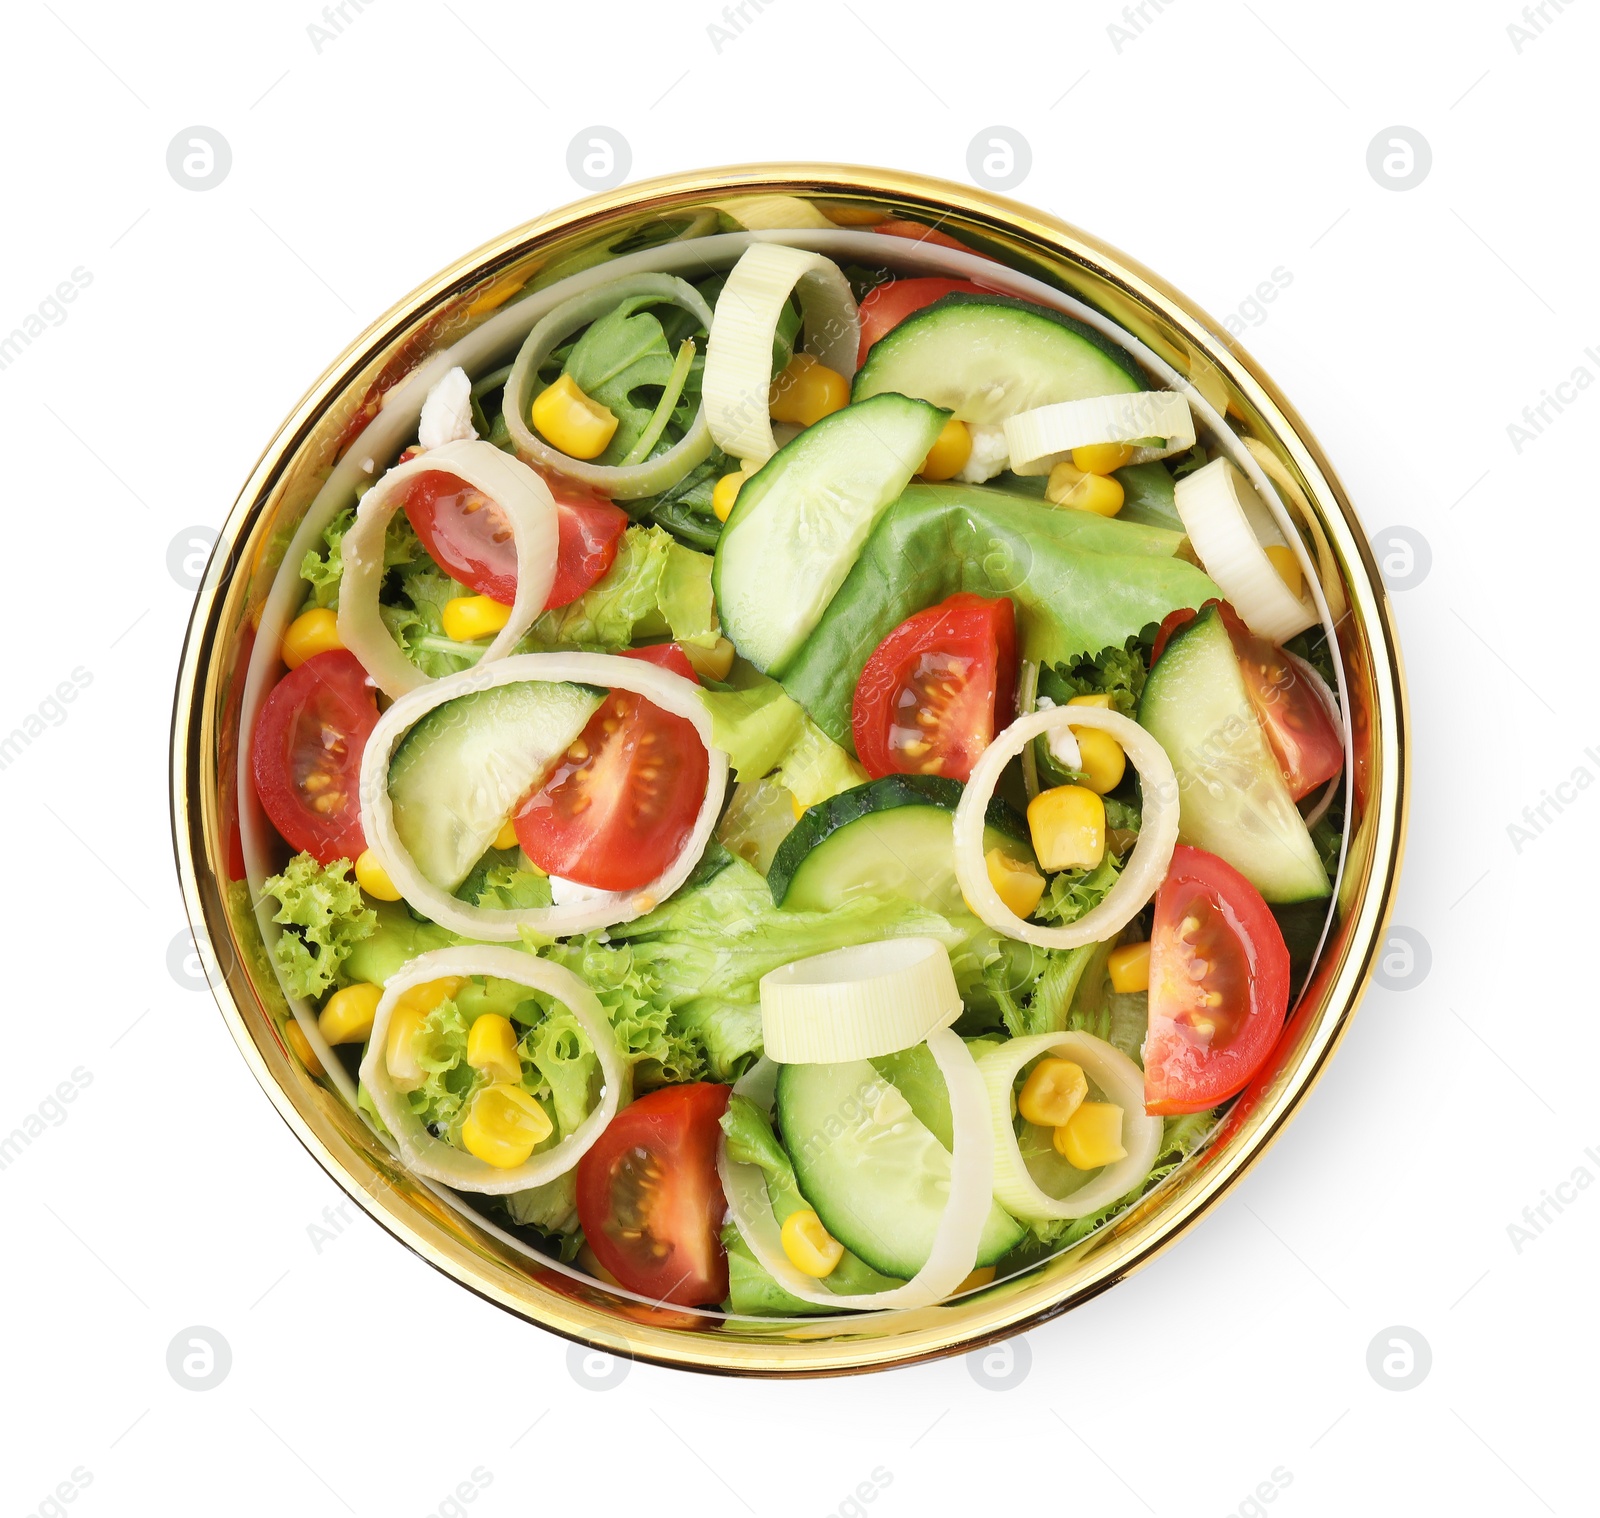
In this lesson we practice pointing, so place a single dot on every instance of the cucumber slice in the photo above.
(1232, 799)
(987, 357)
(799, 522)
(891, 837)
(877, 1176)
(458, 773)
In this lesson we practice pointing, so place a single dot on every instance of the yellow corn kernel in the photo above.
(798, 807)
(347, 1017)
(1100, 758)
(1091, 1137)
(411, 1008)
(807, 391)
(950, 452)
(1070, 486)
(1288, 567)
(312, 632)
(492, 1048)
(1015, 881)
(710, 663)
(1053, 1091)
(1102, 458)
(1068, 827)
(725, 492)
(506, 838)
(982, 1276)
(504, 1126)
(468, 618)
(1129, 967)
(569, 420)
(373, 878)
(295, 1036)
(1096, 698)
(811, 1249)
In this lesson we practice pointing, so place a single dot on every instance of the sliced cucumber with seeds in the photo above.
(891, 837)
(1232, 799)
(799, 522)
(878, 1177)
(987, 357)
(457, 775)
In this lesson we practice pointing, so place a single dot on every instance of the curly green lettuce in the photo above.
(325, 916)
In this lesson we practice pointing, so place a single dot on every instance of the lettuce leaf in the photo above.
(440, 1047)
(618, 354)
(1073, 893)
(326, 917)
(763, 730)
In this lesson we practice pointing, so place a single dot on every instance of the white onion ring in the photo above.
(1116, 1075)
(738, 369)
(440, 1161)
(513, 487)
(672, 693)
(1146, 868)
(624, 483)
(955, 1242)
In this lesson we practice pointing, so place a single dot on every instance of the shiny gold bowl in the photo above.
(233, 598)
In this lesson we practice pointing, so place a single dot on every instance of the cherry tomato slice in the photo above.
(649, 1199)
(306, 754)
(1297, 723)
(1219, 985)
(886, 306)
(1169, 625)
(937, 689)
(618, 808)
(468, 536)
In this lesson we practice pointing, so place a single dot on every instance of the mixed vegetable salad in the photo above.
(804, 789)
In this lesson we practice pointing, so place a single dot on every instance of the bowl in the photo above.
(687, 221)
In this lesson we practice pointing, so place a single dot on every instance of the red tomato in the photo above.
(915, 231)
(1219, 985)
(937, 689)
(468, 537)
(886, 306)
(622, 802)
(1298, 726)
(668, 656)
(1169, 625)
(306, 754)
(649, 1198)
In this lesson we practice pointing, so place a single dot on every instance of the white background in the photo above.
(1222, 142)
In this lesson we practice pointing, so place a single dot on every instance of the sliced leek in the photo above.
(1146, 867)
(738, 372)
(860, 1002)
(1228, 525)
(602, 909)
(440, 1161)
(1041, 438)
(514, 488)
(625, 482)
(955, 1244)
(1117, 1076)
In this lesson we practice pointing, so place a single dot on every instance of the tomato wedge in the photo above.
(306, 754)
(649, 1199)
(468, 537)
(1219, 985)
(886, 306)
(618, 808)
(1169, 625)
(1293, 715)
(937, 689)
